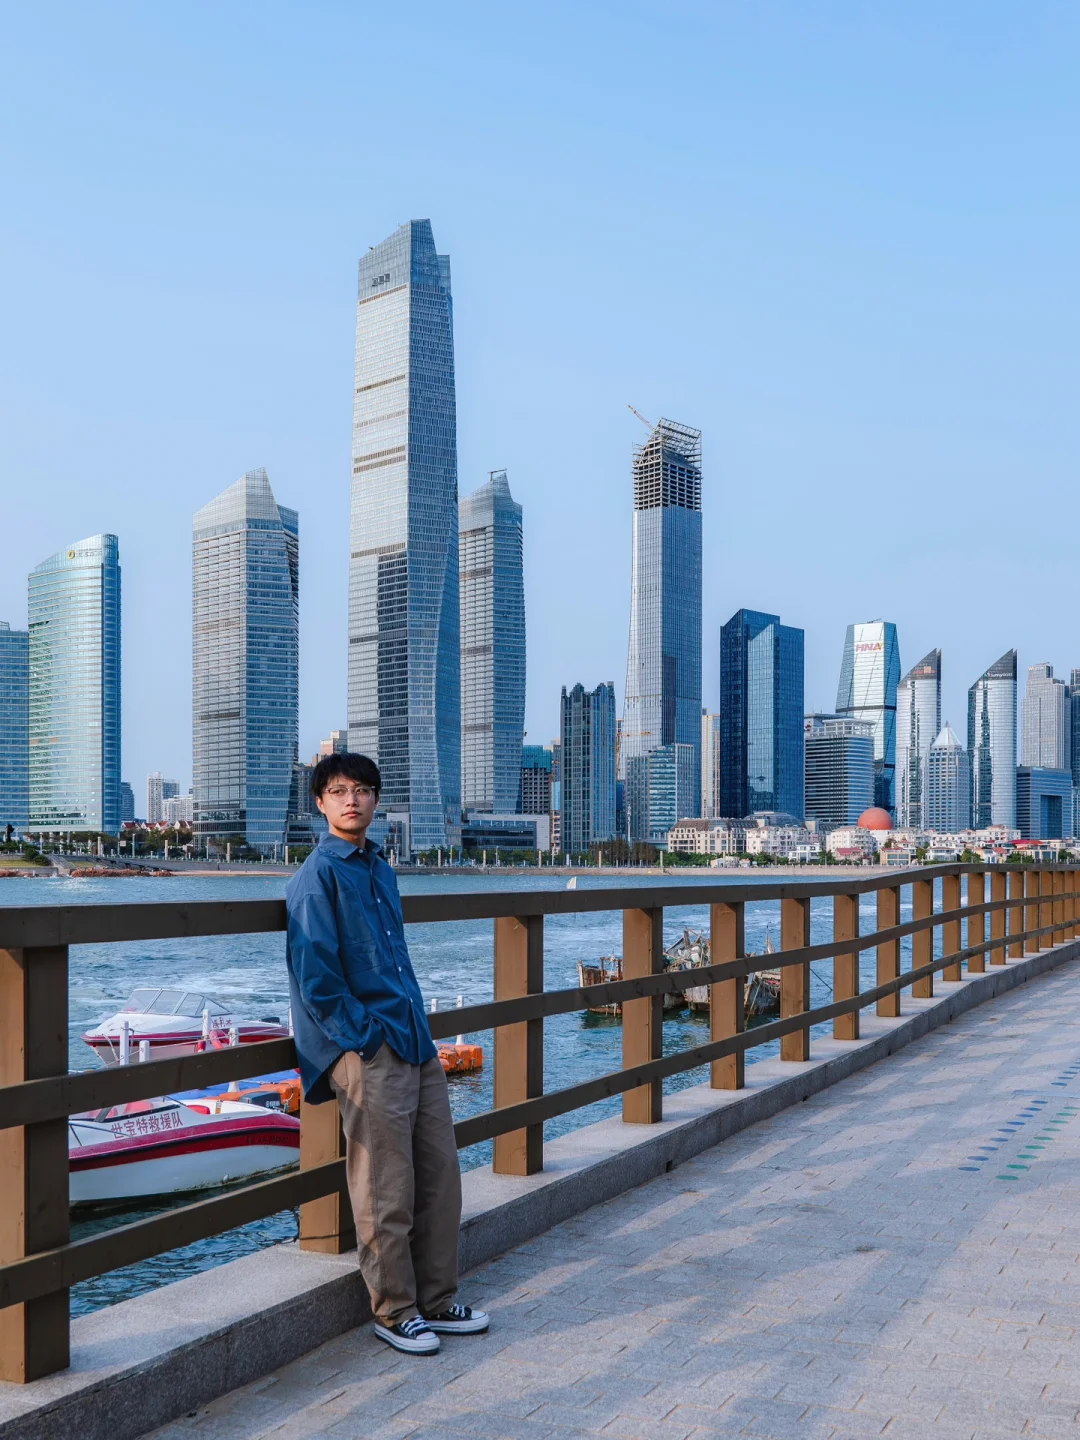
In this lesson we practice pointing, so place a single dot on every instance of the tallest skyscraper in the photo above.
(404, 662)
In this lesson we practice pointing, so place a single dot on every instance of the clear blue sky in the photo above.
(840, 238)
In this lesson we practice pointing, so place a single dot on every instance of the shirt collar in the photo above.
(345, 848)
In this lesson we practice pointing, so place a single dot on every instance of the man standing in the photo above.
(362, 1035)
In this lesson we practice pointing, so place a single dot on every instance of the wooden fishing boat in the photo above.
(762, 995)
(607, 969)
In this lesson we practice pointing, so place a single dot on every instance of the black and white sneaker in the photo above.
(458, 1320)
(414, 1337)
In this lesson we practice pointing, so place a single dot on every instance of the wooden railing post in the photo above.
(34, 1337)
(888, 953)
(795, 979)
(727, 1007)
(846, 964)
(1046, 907)
(922, 942)
(1016, 912)
(326, 1224)
(997, 917)
(950, 930)
(519, 1049)
(976, 925)
(1058, 877)
(1070, 905)
(642, 1035)
(1031, 908)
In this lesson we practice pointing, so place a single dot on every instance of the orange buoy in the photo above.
(461, 1059)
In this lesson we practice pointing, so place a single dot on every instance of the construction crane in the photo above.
(648, 424)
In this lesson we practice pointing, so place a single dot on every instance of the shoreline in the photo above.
(200, 871)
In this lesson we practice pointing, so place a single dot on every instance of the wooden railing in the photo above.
(1029, 908)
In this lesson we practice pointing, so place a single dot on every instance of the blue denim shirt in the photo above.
(351, 981)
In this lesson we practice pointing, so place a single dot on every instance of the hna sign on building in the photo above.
(870, 645)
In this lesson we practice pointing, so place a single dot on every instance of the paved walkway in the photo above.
(899, 1256)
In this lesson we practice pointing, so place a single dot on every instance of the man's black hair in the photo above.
(352, 767)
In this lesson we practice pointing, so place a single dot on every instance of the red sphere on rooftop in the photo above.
(875, 819)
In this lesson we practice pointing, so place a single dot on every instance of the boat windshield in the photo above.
(193, 1004)
(171, 1002)
(140, 1002)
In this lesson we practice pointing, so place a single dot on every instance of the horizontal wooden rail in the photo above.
(67, 1265)
(574, 1097)
(59, 1096)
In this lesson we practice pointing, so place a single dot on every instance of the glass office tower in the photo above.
(245, 640)
(404, 657)
(662, 702)
(761, 709)
(869, 673)
(918, 722)
(946, 787)
(14, 729)
(660, 791)
(492, 598)
(74, 625)
(536, 763)
(992, 744)
(1074, 747)
(1046, 721)
(587, 766)
(839, 768)
(710, 765)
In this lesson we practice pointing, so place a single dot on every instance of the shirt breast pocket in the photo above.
(358, 948)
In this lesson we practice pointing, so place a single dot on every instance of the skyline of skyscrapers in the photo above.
(73, 612)
(245, 664)
(839, 768)
(761, 707)
(869, 675)
(492, 607)
(587, 766)
(14, 728)
(404, 685)
(662, 698)
(991, 747)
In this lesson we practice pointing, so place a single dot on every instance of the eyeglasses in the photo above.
(350, 792)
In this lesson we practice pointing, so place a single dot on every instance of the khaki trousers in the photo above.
(404, 1181)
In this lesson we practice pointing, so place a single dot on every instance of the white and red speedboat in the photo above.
(166, 1147)
(176, 1022)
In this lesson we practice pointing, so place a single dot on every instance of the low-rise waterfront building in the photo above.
(706, 837)
(780, 841)
(850, 841)
(482, 831)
